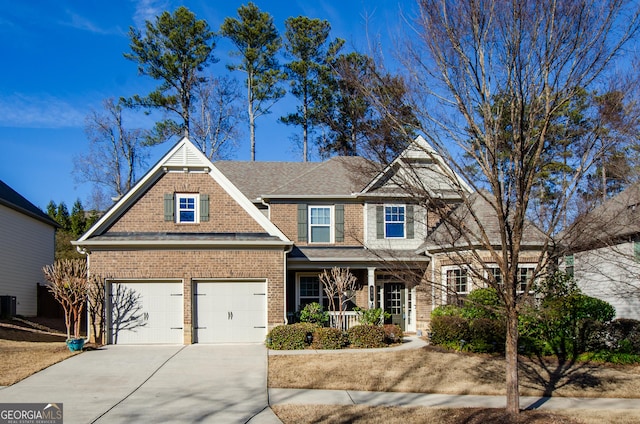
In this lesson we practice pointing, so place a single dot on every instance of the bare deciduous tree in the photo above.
(115, 153)
(492, 80)
(214, 123)
(68, 284)
(339, 286)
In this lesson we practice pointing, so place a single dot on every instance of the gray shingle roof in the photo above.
(462, 229)
(12, 199)
(337, 176)
(616, 219)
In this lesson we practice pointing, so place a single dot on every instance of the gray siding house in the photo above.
(28, 244)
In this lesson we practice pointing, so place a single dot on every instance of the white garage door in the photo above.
(146, 312)
(230, 312)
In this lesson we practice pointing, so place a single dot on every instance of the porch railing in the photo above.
(349, 319)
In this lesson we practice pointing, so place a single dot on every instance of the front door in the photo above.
(394, 295)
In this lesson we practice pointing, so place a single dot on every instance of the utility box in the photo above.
(7, 307)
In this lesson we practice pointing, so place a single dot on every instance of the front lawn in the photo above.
(25, 350)
(433, 370)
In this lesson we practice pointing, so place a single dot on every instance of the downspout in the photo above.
(83, 251)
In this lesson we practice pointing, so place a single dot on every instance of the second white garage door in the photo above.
(230, 312)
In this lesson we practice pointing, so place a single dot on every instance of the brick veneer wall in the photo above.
(285, 216)
(193, 265)
(225, 214)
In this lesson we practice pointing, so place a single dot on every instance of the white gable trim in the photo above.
(186, 156)
(423, 148)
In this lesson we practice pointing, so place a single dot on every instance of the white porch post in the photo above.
(371, 281)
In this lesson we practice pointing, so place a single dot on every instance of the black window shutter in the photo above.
(380, 221)
(204, 207)
(169, 205)
(302, 222)
(339, 211)
(409, 222)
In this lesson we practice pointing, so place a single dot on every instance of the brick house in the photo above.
(201, 252)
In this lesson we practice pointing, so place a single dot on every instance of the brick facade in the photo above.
(225, 214)
(191, 265)
(285, 216)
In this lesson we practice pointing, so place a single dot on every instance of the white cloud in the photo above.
(27, 111)
(147, 10)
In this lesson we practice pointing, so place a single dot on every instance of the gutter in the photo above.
(81, 246)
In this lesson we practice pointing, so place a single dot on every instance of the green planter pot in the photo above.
(75, 345)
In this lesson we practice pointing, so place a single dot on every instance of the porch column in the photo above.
(371, 282)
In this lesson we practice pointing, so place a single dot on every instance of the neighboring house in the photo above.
(28, 244)
(204, 252)
(604, 252)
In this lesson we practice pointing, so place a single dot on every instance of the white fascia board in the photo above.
(310, 197)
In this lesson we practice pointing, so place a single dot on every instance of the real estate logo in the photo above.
(30, 413)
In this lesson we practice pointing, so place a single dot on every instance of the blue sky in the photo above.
(61, 59)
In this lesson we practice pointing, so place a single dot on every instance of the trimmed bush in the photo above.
(290, 337)
(486, 335)
(314, 313)
(392, 333)
(447, 311)
(373, 316)
(366, 336)
(482, 303)
(329, 338)
(446, 330)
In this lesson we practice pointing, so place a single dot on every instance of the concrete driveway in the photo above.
(185, 384)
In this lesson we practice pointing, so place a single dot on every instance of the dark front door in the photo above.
(394, 294)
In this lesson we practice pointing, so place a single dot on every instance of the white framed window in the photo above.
(525, 275)
(496, 273)
(321, 224)
(394, 221)
(457, 280)
(187, 211)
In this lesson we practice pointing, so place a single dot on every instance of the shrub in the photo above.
(290, 337)
(447, 311)
(623, 335)
(486, 335)
(366, 336)
(313, 313)
(449, 329)
(329, 338)
(373, 316)
(482, 303)
(392, 333)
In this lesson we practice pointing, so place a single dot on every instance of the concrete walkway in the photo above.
(124, 384)
(354, 397)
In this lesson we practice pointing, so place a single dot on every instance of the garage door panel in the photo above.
(146, 312)
(230, 312)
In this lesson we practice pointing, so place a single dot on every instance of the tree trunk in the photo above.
(511, 361)
(252, 123)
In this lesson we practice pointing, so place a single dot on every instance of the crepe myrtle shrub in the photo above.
(372, 316)
(366, 336)
(329, 338)
(392, 333)
(291, 337)
(313, 313)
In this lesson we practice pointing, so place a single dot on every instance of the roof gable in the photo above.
(186, 157)
(419, 166)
